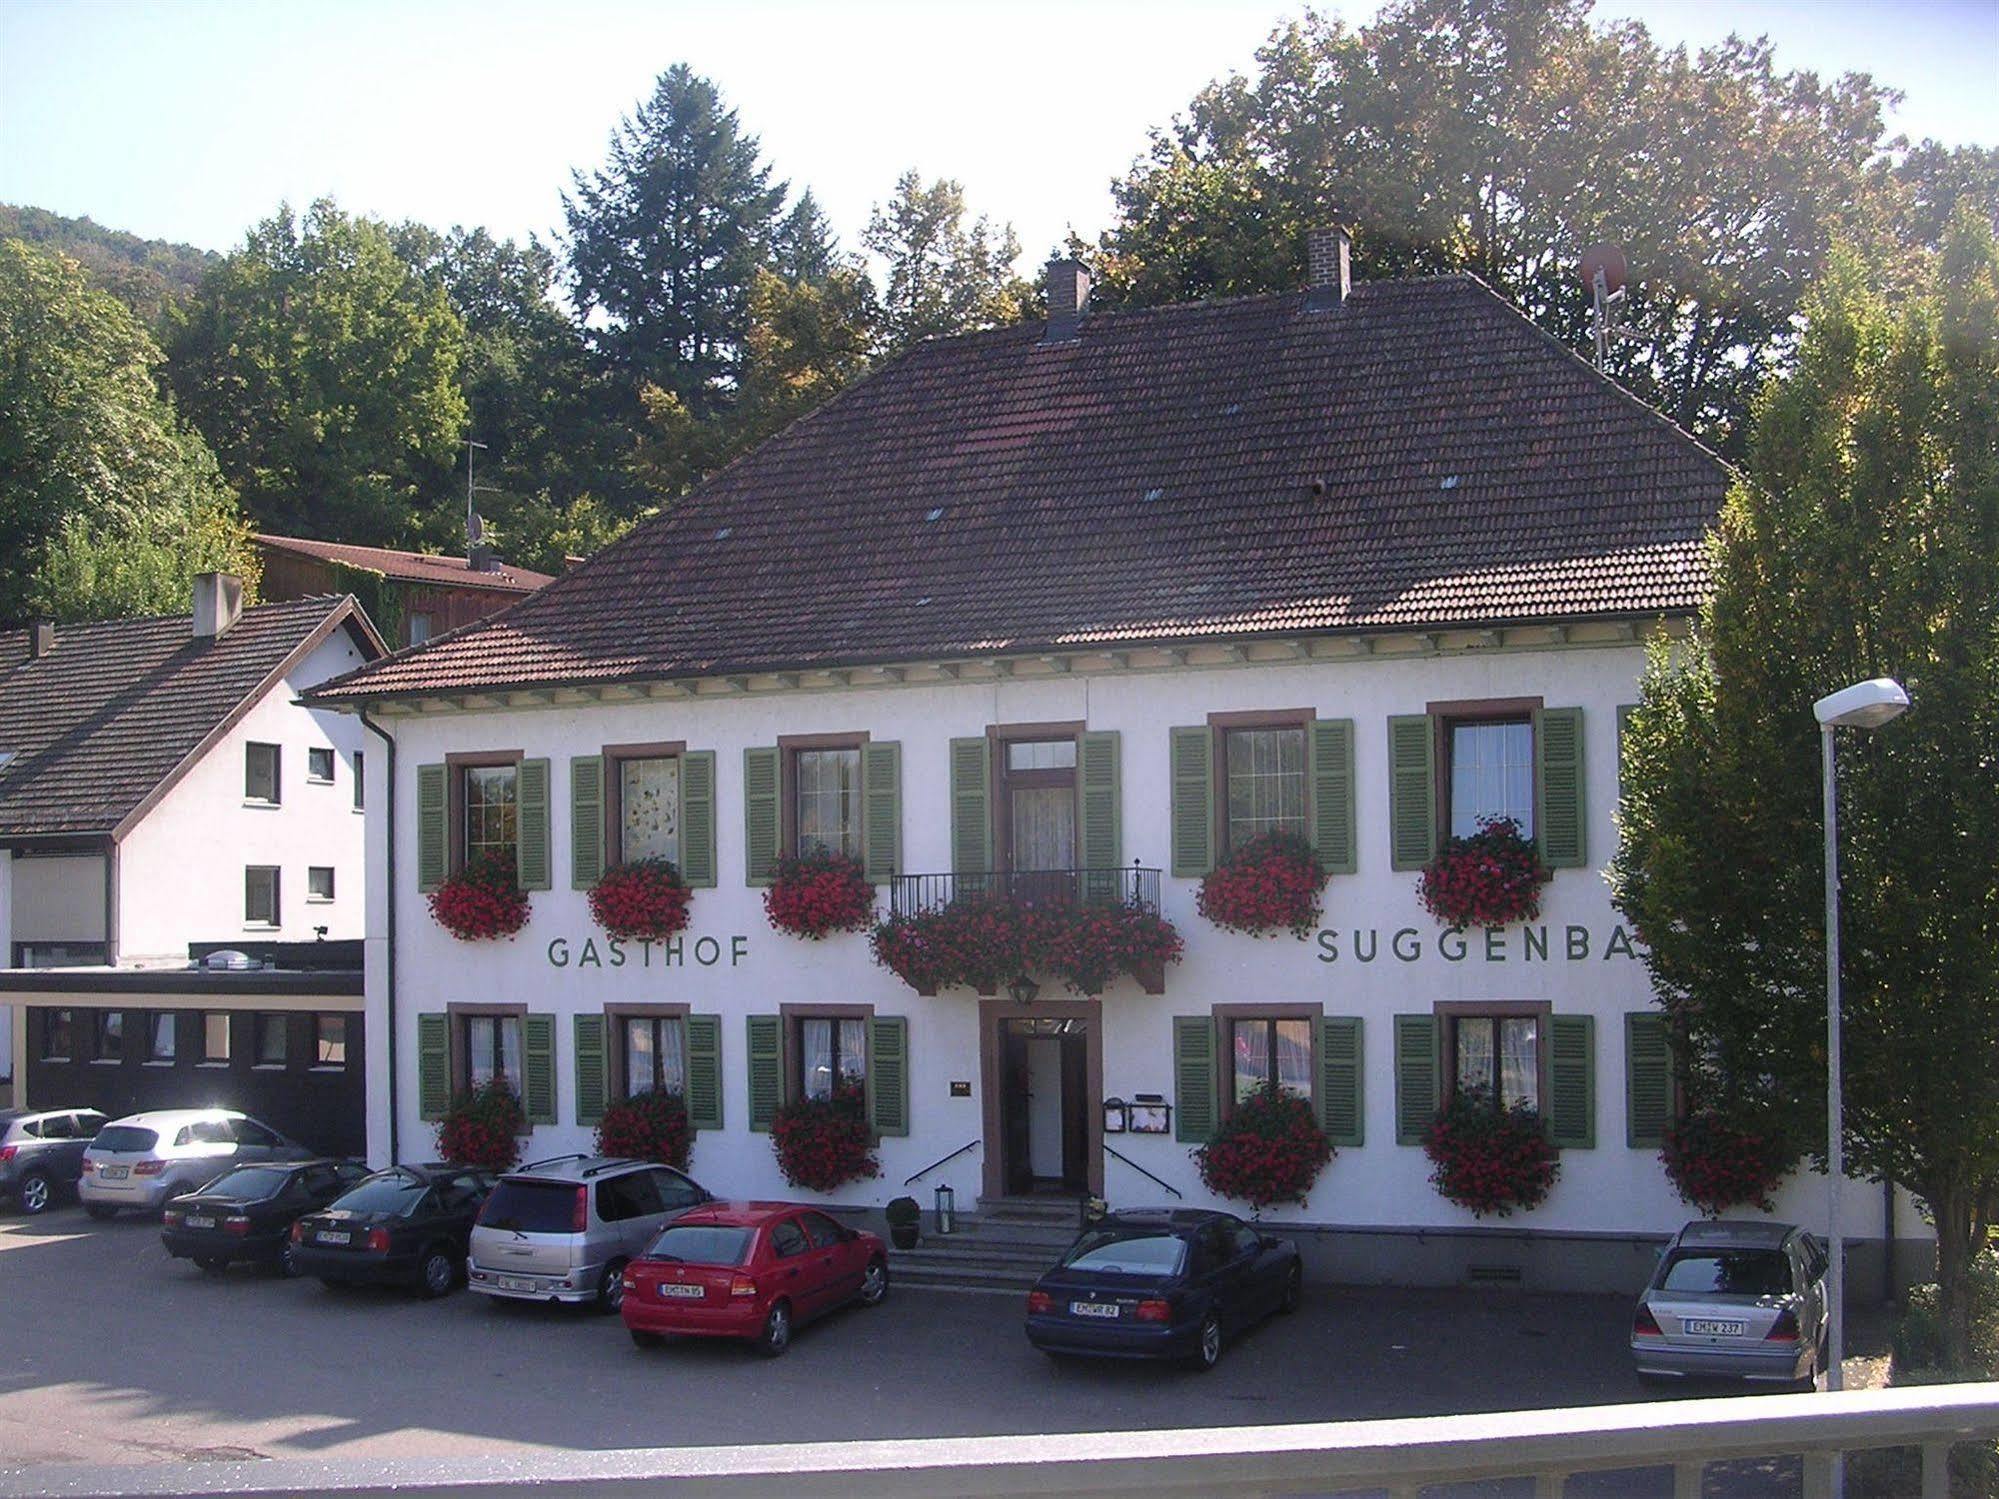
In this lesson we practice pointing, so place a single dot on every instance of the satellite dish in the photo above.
(1606, 261)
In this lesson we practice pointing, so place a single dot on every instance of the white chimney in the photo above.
(218, 603)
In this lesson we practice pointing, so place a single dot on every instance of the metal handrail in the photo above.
(1112, 885)
(1117, 1155)
(910, 1181)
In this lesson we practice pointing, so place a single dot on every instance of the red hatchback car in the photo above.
(752, 1270)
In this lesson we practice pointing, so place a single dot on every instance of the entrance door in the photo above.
(1044, 1104)
(1037, 823)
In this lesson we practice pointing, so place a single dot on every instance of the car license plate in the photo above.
(684, 1293)
(114, 1173)
(1093, 1308)
(330, 1236)
(1708, 1327)
(513, 1283)
(193, 1222)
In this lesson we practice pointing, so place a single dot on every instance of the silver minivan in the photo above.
(562, 1229)
(1737, 1298)
(143, 1159)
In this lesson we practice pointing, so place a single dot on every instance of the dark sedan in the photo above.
(406, 1226)
(1171, 1285)
(247, 1213)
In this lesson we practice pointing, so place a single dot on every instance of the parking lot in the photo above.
(117, 1354)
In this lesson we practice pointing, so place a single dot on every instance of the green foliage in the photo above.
(943, 275)
(108, 504)
(1864, 542)
(152, 277)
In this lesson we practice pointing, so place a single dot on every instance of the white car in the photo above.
(142, 1160)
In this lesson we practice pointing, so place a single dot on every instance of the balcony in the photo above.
(915, 894)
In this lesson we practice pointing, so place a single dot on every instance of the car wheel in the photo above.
(1294, 1290)
(1208, 1346)
(288, 1266)
(776, 1336)
(103, 1212)
(874, 1283)
(611, 1288)
(211, 1264)
(643, 1339)
(34, 1193)
(437, 1272)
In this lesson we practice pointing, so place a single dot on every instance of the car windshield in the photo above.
(1127, 1252)
(391, 1193)
(250, 1182)
(1727, 1272)
(532, 1207)
(126, 1138)
(701, 1244)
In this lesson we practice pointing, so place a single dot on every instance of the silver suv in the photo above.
(41, 1153)
(143, 1159)
(562, 1229)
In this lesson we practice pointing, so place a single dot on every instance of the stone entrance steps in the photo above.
(1003, 1247)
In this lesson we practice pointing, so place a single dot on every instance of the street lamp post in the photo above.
(1865, 705)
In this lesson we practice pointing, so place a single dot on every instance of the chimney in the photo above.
(41, 638)
(218, 603)
(481, 558)
(1068, 299)
(1329, 275)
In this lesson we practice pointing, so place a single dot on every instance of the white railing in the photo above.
(1401, 1456)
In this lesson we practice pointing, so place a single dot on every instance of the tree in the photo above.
(150, 276)
(807, 340)
(1863, 541)
(943, 277)
(1503, 139)
(666, 238)
(109, 504)
(323, 368)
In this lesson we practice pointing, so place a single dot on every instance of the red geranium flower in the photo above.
(1490, 879)
(1273, 881)
(819, 892)
(1271, 1150)
(482, 1127)
(482, 900)
(1488, 1159)
(645, 899)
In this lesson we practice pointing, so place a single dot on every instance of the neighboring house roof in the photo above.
(1420, 456)
(114, 715)
(412, 567)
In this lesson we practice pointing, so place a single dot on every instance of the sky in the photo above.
(190, 120)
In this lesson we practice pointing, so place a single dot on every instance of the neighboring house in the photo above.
(163, 793)
(411, 596)
(1110, 593)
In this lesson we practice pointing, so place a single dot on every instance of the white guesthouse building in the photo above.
(1113, 592)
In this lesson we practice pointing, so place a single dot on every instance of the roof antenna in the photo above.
(1604, 271)
(477, 553)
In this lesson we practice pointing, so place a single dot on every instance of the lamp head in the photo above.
(1864, 705)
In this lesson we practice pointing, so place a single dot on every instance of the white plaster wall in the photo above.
(180, 874)
(57, 898)
(753, 970)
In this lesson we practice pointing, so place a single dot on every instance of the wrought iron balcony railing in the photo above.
(1127, 885)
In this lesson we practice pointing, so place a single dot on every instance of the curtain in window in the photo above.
(1492, 775)
(1294, 1057)
(1044, 827)
(1266, 782)
(827, 782)
(1475, 1056)
(816, 1058)
(853, 1053)
(1519, 1077)
(649, 803)
(1252, 1057)
(482, 1032)
(653, 1056)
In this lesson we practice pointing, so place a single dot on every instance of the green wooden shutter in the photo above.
(766, 1053)
(888, 1074)
(971, 806)
(1416, 1069)
(1558, 783)
(1342, 1105)
(586, 821)
(431, 816)
(1099, 836)
(531, 850)
(1648, 1080)
(1331, 741)
(697, 818)
(433, 1063)
(538, 1067)
(1193, 798)
(592, 1083)
(1412, 790)
(762, 817)
(1194, 1108)
(881, 810)
(704, 1071)
(1572, 1081)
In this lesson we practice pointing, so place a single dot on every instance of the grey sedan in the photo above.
(1734, 1298)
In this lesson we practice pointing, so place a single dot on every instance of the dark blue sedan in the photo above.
(1162, 1284)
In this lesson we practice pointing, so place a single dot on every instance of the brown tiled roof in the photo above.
(413, 567)
(1421, 456)
(111, 713)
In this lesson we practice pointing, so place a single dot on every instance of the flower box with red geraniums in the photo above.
(645, 900)
(819, 892)
(822, 1143)
(1490, 1160)
(1273, 881)
(1716, 1164)
(984, 941)
(1491, 879)
(649, 1126)
(483, 1127)
(1270, 1150)
(481, 901)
